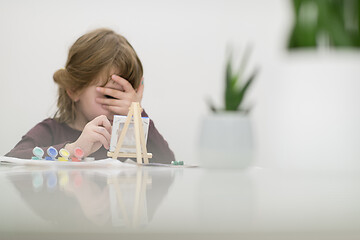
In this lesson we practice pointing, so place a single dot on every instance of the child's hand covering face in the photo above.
(119, 96)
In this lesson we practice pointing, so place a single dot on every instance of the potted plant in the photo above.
(226, 136)
(316, 85)
(325, 24)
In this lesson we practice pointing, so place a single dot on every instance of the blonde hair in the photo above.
(93, 55)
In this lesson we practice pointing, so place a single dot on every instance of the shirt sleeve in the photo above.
(157, 145)
(39, 136)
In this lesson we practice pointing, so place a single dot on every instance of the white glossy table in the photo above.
(177, 203)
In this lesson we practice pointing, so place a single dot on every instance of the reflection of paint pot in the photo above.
(51, 180)
(37, 180)
(78, 179)
(63, 179)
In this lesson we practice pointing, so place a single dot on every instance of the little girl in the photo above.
(102, 77)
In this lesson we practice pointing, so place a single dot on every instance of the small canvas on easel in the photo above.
(134, 117)
(129, 143)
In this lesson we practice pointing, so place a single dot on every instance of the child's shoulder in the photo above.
(51, 124)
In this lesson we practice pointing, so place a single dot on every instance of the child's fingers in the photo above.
(111, 92)
(119, 110)
(104, 136)
(102, 121)
(100, 139)
(123, 82)
(99, 135)
(112, 102)
(119, 107)
(104, 132)
(108, 101)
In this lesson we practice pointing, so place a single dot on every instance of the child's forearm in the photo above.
(158, 146)
(24, 150)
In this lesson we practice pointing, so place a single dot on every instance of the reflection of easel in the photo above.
(120, 185)
(141, 152)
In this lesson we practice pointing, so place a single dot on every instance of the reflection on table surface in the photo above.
(252, 203)
(82, 198)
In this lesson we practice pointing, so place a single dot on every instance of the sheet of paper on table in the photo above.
(108, 162)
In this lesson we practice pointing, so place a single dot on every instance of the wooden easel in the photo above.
(141, 152)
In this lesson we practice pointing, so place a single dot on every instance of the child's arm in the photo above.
(25, 147)
(59, 135)
(157, 145)
(43, 135)
(96, 133)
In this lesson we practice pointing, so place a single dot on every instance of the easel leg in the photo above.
(137, 126)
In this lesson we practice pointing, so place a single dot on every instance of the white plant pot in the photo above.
(312, 112)
(225, 141)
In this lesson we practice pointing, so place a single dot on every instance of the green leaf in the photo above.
(234, 91)
(244, 89)
(243, 63)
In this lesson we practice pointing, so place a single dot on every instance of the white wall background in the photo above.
(306, 110)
